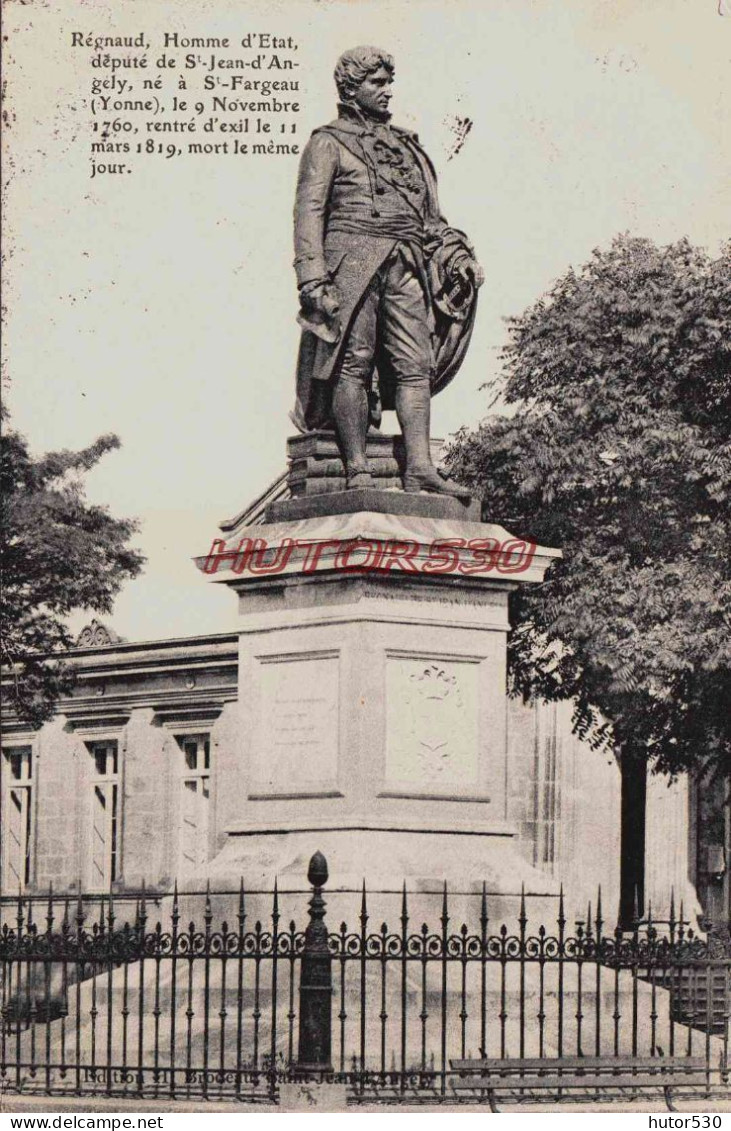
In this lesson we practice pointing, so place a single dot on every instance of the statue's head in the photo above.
(364, 76)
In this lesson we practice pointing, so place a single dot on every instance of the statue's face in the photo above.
(374, 93)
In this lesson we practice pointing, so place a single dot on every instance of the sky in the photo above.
(161, 306)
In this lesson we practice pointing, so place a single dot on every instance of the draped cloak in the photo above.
(343, 233)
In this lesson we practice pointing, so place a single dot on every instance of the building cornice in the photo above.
(185, 679)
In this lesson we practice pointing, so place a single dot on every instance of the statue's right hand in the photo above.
(321, 299)
(330, 301)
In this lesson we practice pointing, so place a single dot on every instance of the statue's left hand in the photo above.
(469, 271)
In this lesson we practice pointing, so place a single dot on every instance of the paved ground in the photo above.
(14, 1104)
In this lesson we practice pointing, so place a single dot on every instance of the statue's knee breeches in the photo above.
(420, 380)
(394, 321)
(356, 363)
(356, 366)
(405, 325)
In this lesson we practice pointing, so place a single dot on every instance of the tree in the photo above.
(619, 453)
(58, 554)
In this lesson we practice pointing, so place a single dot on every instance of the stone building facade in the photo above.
(127, 786)
(119, 788)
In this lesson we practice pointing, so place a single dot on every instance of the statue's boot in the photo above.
(350, 413)
(413, 408)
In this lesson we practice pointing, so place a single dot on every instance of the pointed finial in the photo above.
(317, 872)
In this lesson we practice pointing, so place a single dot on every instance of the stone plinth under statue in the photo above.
(372, 689)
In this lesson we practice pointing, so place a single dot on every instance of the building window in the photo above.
(547, 795)
(16, 818)
(195, 798)
(104, 856)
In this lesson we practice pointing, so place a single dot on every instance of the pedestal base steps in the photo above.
(316, 464)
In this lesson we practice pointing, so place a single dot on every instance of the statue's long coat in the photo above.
(335, 180)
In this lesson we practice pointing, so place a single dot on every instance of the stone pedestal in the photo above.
(373, 701)
(316, 466)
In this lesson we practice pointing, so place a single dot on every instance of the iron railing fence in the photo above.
(231, 1010)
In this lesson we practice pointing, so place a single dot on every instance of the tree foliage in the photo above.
(59, 554)
(619, 453)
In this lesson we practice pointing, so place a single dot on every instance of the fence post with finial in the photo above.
(598, 924)
(561, 923)
(363, 979)
(241, 923)
(484, 921)
(141, 938)
(315, 1024)
(444, 959)
(522, 924)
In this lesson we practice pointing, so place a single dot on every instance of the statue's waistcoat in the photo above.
(379, 185)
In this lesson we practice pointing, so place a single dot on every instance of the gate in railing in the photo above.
(130, 1009)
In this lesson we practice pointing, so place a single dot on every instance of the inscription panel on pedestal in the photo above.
(432, 732)
(298, 731)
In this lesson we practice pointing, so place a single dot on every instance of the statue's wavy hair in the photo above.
(355, 65)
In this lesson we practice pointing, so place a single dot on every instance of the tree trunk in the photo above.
(632, 865)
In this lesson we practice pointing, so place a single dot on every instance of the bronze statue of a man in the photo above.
(387, 288)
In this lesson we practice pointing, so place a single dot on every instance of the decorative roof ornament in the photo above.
(97, 635)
